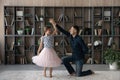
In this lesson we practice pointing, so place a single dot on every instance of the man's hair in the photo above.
(76, 28)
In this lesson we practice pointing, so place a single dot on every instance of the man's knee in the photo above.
(65, 59)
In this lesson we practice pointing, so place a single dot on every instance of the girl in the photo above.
(47, 56)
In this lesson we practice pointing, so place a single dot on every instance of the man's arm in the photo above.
(62, 30)
(59, 28)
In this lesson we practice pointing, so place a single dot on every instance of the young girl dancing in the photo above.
(47, 56)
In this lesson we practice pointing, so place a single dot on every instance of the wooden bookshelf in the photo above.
(24, 26)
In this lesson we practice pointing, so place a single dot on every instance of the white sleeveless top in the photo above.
(48, 41)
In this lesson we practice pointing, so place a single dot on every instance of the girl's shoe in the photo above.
(50, 75)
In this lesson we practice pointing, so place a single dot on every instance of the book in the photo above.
(110, 41)
(8, 59)
(32, 33)
(75, 14)
(6, 12)
(12, 46)
(95, 30)
(12, 22)
(36, 17)
(5, 21)
(80, 32)
(27, 23)
(61, 17)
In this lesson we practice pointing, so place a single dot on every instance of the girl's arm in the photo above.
(54, 26)
(55, 30)
(40, 46)
(57, 27)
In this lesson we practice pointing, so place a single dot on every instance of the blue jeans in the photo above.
(79, 65)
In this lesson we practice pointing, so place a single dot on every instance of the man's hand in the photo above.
(52, 21)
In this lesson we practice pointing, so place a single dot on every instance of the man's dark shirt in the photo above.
(77, 44)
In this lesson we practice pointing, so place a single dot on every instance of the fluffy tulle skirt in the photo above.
(47, 58)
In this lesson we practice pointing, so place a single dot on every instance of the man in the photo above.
(78, 51)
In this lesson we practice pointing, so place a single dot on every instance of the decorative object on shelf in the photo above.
(97, 43)
(6, 23)
(116, 21)
(23, 60)
(63, 17)
(108, 31)
(12, 45)
(99, 32)
(112, 57)
(19, 18)
(89, 44)
(31, 47)
(80, 31)
(99, 23)
(19, 42)
(56, 43)
(6, 12)
(110, 41)
(17, 51)
(97, 13)
(90, 61)
(20, 31)
(36, 17)
(32, 32)
(87, 31)
(19, 13)
(27, 23)
(27, 30)
(12, 22)
(10, 59)
(107, 15)
(95, 31)
(41, 18)
(8, 30)
(104, 32)
(75, 14)
(28, 15)
(114, 46)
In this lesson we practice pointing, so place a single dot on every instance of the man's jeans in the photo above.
(79, 66)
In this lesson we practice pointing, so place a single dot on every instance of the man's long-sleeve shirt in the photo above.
(77, 44)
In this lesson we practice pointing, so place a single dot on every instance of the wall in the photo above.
(47, 3)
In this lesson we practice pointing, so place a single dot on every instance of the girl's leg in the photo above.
(50, 72)
(44, 71)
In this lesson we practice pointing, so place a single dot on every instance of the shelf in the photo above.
(84, 17)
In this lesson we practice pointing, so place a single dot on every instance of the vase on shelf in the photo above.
(99, 32)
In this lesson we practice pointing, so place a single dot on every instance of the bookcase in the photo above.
(24, 25)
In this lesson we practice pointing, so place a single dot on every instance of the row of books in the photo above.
(62, 42)
(8, 23)
(88, 31)
(11, 60)
(11, 22)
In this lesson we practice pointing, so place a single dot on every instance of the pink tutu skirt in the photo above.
(47, 58)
